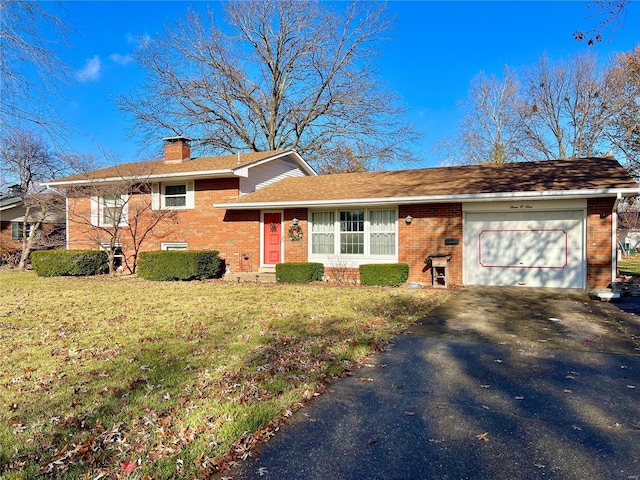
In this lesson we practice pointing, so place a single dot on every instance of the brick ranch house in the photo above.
(549, 223)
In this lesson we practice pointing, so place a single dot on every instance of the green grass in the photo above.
(183, 378)
(629, 266)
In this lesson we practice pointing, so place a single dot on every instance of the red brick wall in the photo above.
(599, 248)
(6, 244)
(431, 225)
(232, 233)
(296, 251)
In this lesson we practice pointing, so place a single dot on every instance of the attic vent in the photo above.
(177, 149)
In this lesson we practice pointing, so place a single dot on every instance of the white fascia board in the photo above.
(303, 164)
(243, 171)
(156, 177)
(13, 204)
(480, 197)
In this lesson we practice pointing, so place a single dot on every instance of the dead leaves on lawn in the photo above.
(128, 385)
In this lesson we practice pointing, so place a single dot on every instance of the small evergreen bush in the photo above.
(299, 272)
(179, 265)
(57, 263)
(390, 274)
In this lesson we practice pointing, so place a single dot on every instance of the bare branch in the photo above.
(26, 48)
(281, 74)
(611, 14)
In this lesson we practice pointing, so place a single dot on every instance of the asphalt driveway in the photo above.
(500, 383)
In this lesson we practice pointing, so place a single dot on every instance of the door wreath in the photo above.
(295, 232)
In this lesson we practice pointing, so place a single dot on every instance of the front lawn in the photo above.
(629, 266)
(121, 377)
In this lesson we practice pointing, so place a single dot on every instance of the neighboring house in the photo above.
(550, 223)
(12, 218)
(628, 241)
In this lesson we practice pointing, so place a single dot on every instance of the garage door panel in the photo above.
(524, 248)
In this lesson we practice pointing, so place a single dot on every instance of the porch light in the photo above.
(408, 219)
(295, 221)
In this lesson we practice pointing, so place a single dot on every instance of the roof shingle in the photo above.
(158, 168)
(594, 173)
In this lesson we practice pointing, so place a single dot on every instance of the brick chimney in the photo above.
(177, 149)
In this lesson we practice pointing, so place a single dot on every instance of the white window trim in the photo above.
(158, 199)
(19, 229)
(354, 260)
(97, 212)
(174, 246)
(105, 246)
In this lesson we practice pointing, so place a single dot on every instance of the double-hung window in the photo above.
(361, 234)
(109, 210)
(322, 232)
(382, 232)
(175, 196)
(113, 210)
(172, 196)
(352, 232)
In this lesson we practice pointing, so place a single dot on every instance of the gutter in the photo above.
(156, 177)
(478, 197)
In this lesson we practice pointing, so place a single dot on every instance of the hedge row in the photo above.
(180, 265)
(391, 274)
(299, 272)
(55, 263)
(198, 265)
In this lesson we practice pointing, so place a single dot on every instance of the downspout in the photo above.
(66, 220)
(614, 238)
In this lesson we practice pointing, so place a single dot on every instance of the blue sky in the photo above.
(437, 48)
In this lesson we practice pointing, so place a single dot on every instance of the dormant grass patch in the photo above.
(120, 377)
(629, 265)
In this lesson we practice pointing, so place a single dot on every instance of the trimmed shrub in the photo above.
(59, 263)
(179, 265)
(299, 272)
(389, 274)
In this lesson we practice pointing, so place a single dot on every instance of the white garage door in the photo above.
(537, 249)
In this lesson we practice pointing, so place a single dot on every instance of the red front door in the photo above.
(272, 234)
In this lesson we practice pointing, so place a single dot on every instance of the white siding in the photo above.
(268, 173)
(11, 214)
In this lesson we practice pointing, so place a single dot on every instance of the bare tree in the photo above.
(143, 223)
(563, 109)
(344, 160)
(279, 74)
(566, 108)
(27, 160)
(117, 216)
(629, 214)
(624, 130)
(29, 31)
(488, 132)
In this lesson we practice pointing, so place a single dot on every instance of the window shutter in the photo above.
(95, 211)
(155, 196)
(190, 195)
(124, 213)
(15, 230)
